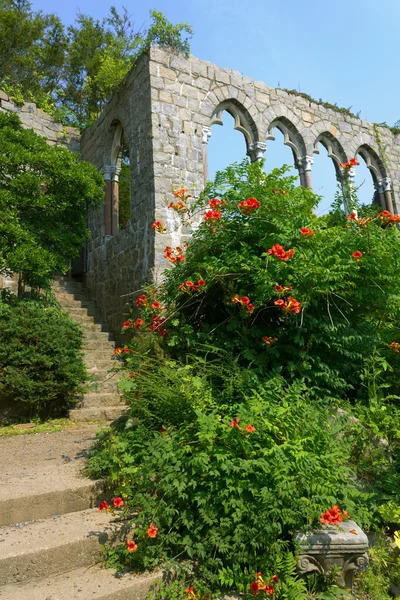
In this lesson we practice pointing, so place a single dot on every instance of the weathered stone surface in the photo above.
(42, 123)
(343, 546)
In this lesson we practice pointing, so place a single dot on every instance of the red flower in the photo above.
(269, 340)
(118, 351)
(152, 531)
(250, 429)
(348, 165)
(201, 282)
(126, 350)
(278, 288)
(395, 346)
(155, 305)
(357, 255)
(158, 226)
(138, 323)
(274, 578)
(333, 516)
(244, 300)
(247, 206)
(384, 214)
(131, 546)
(293, 306)
(214, 202)
(280, 302)
(118, 503)
(234, 423)
(103, 506)
(352, 217)
(212, 215)
(254, 587)
(142, 300)
(127, 324)
(181, 193)
(279, 252)
(250, 307)
(189, 284)
(269, 590)
(173, 255)
(307, 232)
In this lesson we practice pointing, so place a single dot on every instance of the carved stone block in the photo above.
(344, 546)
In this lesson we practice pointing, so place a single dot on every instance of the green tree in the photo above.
(72, 72)
(44, 194)
(32, 52)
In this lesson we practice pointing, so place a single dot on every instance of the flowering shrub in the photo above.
(319, 285)
(274, 319)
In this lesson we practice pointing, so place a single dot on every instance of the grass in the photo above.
(50, 426)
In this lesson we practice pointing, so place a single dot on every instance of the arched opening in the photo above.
(377, 185)
(365, 183)
(116, 169)
(226, 145)
(291, 151)
(279, 154)
(326, 175)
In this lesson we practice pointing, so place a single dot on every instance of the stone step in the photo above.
(101, 362)
(33, 551)
(88, 415)
(43, 478)
(94, 583)
(99, 344)
(103, 386)
(101, 400)
(98, 335)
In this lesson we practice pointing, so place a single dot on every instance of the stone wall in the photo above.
(119, 265)
(43, 124)
(166, 110)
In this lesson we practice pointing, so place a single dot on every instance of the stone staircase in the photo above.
(102, 401)
(50, 531)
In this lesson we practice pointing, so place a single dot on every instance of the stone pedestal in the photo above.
(333, 546)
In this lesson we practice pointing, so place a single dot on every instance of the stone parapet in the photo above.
(42, 123)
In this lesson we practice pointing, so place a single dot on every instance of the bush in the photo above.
(269, 322)
(41, 366)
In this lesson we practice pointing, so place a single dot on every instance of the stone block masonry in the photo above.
(43, 124)
(165, 112)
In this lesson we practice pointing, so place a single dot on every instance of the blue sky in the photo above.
(340, 52)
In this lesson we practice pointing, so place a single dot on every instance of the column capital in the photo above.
(308, 162)
(114, 172)
(107, 171)
(256, 151)
(206, 134)
(304, 164)
(386, 184)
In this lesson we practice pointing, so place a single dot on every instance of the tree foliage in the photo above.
(72, 71)
(44, 194)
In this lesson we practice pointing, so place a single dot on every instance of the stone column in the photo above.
(304, 166)
(256, 151)
(114, 200)
(381, 193)
(205, 139)
(308, 162)
(107, 200)
(385, 193)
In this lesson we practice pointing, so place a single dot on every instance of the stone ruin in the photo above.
(164, 115)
